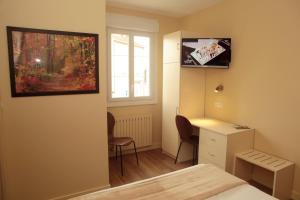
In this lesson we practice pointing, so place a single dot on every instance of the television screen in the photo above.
(210, 53)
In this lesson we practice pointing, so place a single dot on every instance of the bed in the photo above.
(202, 181)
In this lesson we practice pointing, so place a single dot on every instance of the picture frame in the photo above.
(49, 62)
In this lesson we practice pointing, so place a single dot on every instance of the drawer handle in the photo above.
(211, 154)
(212, 139)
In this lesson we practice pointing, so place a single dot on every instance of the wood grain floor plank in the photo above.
(151, 163)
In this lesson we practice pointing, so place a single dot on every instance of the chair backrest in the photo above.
(184, 127)
(110, 125)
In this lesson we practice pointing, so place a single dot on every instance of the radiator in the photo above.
(139, 127)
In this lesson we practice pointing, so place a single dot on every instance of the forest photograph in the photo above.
(52, 62)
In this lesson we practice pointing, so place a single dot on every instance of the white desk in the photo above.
(219, 141)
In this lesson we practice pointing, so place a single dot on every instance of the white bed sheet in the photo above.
(242, 192)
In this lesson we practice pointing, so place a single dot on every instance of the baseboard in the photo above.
(174, 157)
(295, 195)
(168, 154)
(152, 147)
(68, 196)
(130, 151)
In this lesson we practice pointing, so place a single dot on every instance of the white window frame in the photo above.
(131, 100)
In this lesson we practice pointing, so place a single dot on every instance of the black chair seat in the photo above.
(185, 130)
(118, 141)
(122, 141)
(194, 139)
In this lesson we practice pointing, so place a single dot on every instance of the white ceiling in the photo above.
(174, 8)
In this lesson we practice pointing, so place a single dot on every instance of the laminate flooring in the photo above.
(151, 163)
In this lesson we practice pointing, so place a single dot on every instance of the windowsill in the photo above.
(130, 103)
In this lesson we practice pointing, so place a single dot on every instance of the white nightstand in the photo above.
(270, 171)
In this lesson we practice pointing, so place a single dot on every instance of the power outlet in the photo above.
(219, 104)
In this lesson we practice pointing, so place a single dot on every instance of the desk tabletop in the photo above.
(217, 126)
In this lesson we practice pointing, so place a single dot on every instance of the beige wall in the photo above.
(166, 25)
(262, 85)
(192, 92)
(55, 145)
(46, 148)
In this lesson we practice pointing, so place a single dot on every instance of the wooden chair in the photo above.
(185, 130)
(118, 141)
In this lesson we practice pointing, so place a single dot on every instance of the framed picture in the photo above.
(47, 62)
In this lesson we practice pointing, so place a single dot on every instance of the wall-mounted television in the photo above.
(206, 52)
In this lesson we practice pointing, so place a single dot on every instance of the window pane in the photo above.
(141, 66)
(119, 65)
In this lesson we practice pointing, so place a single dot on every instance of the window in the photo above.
(130, 67)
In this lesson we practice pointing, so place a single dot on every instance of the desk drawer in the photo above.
(203, 160)
(213, 158)
(213, 147)
(212, 139)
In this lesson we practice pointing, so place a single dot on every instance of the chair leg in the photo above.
(197, 150)
(137, 160)
(193, 154)
(116, 152)
(178, 152)
(121, 160)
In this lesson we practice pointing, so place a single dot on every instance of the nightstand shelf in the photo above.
(270, 171)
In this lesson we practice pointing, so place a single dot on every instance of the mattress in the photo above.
(244, 192)
(199, 182)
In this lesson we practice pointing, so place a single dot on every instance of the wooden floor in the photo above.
(151, 163)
